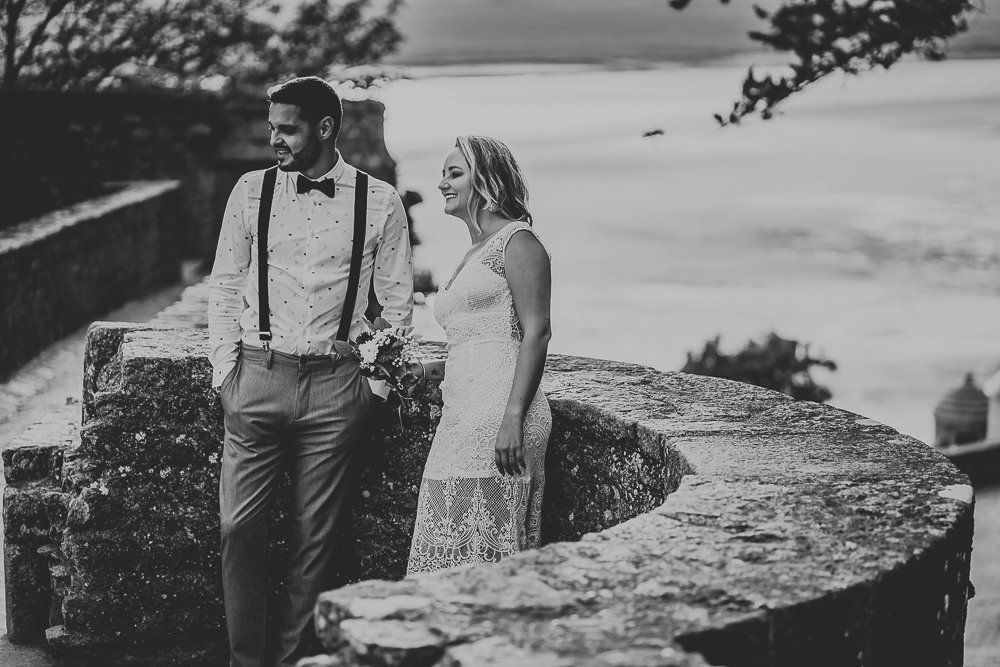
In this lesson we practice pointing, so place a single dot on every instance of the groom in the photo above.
(300, 244)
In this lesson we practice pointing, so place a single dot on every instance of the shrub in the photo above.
(776, 363)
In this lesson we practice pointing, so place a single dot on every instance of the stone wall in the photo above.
(109, 136)
(34, 516)
(791, 534)
(688, 521)
(60, 270)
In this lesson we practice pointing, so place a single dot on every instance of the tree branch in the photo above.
(849, 36)
(36, 38)
(12, 10)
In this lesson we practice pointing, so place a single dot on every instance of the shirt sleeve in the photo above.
(226, 285)
(393, 274)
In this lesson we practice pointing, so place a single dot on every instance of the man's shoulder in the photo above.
(251, 182)
(380, 187)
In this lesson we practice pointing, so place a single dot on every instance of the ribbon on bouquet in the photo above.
(403, 393)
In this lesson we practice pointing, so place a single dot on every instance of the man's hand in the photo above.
(510, 447)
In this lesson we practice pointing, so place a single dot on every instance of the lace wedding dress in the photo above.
(467, 512)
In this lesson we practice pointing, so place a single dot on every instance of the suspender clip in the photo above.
(265, 343)
(265, 340)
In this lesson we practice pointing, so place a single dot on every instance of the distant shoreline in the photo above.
(449, 68)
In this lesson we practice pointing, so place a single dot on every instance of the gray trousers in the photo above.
(305, 415)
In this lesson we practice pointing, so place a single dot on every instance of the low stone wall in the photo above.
(34, 516)
(60, 270)
(687, 521)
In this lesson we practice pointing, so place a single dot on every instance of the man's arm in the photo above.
(393, 272)
(225, 293)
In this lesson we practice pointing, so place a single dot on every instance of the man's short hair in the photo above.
(315, 97)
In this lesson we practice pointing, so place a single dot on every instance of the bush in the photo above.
(777, 363)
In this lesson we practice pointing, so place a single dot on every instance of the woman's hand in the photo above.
(510, 447)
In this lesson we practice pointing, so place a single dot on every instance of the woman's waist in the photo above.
(495, 344)
(490, 325)
(484, 390)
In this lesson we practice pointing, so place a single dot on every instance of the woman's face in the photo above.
(456, 185)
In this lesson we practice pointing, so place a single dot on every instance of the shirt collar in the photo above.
(336, 172)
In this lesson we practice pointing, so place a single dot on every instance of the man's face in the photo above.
(295, 141)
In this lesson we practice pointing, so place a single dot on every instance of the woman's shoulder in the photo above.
(523, 242)
(530, 237)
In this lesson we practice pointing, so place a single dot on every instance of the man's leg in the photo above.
(323, 469)
(257, 407)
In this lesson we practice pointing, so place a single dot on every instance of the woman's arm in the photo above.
(529, 275)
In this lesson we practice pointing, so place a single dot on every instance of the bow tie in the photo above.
(327, 186)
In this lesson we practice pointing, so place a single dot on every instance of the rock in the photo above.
(29, 463)
(323, 661)
(497, 652)
(392, 643)
(28, 593)
(392, 607)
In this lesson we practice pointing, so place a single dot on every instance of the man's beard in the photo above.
(304, 159)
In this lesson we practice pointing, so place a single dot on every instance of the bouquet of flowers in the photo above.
(385, 353)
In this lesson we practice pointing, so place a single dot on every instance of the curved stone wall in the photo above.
(688, 521)
(733, 526)
(60, 270)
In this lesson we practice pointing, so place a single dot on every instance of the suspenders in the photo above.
(263, 220)
(360, 218)
(357, 251)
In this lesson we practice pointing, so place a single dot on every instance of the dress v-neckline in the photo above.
(469, 256)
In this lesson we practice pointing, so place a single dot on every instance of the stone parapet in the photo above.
(712, 521)
(190, 311)
(34, 514)
(687, 521)
(60, 270)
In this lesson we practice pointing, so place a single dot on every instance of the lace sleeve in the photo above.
(493, 258)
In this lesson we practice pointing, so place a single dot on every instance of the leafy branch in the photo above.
(849, 36)
(90, 44)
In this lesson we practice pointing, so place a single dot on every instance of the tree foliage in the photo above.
(777, 363)
(322, 35)
(849, 36)
(87, 44)
(90, 44)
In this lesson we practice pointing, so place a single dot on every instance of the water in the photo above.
(864, 221)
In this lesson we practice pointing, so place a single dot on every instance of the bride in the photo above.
(481, 494)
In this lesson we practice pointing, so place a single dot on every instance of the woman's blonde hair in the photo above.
(497, 180)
